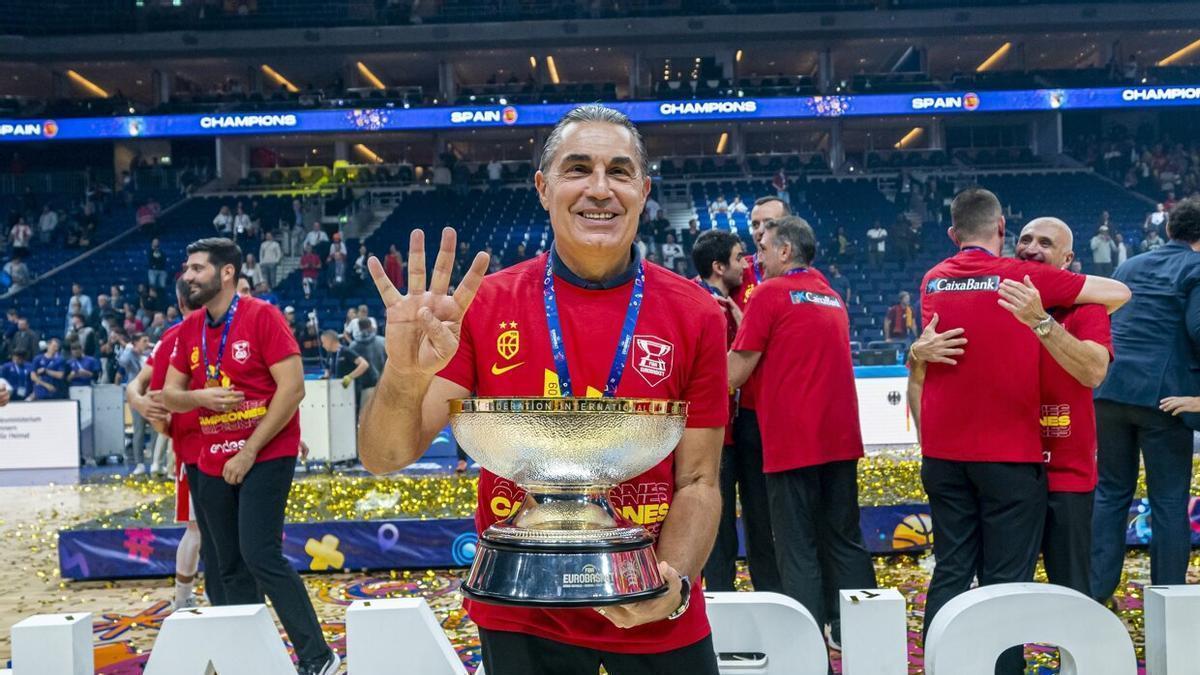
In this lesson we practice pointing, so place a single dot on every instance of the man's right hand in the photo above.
(218, 399)
(154, 410)
(423, 326)
(935, 347)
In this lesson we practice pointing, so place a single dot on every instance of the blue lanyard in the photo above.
(213, 373)
(713, 290)
(754, 266)
(558, 346)
(976, 248)
(794, 272)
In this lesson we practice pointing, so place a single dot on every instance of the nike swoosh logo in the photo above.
(497, 370)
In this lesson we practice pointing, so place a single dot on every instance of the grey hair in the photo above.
(795, 231)
(593, 112)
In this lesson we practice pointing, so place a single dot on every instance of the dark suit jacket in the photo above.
(1156, 335)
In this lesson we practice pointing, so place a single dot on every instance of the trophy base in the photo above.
(548, 575)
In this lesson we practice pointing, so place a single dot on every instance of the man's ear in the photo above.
(953, 235)
(539, 182)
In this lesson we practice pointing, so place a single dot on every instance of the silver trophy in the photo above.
(566, 546)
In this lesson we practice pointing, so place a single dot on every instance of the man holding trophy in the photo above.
(602, 407)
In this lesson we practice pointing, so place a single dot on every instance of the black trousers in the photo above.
(742, 480)
(1067, 541)
(814, 512)
(988, 519)
(246, 522)
(1163, 443)
(506, 653)
(208, 550)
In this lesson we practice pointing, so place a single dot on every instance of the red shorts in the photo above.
(183, 496)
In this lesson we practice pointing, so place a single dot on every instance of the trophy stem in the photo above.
(565, 509)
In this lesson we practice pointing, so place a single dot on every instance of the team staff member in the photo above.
(719, 256)
(796, 335)
(593, 181)
(239, 365)
(343, 363)
(746, 435)
(83, 369)
(183, 430)
(49, 373)
(983, 471)
(1077, 347)
(1157, 340)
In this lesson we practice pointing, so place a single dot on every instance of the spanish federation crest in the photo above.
(509, 342)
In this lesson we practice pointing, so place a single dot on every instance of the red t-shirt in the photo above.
(504, 350)
(748, 394)
(808, 405)
(184, 428)
(1068, 414)
(258, 339)
(984, 409)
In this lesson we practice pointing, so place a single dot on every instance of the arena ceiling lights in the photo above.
(367, 75)
(995, 59)
(279, 79)
(368, 153)
(86, 84)
(939, 103)
(1182, 54)
(908, 139)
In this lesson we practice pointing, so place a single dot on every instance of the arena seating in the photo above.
(502, 219)
(124, 262)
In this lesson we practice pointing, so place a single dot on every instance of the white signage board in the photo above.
(39, 435)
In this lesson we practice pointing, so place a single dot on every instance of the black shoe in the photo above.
(327, 666)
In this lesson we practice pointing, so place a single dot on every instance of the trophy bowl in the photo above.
(565, 545)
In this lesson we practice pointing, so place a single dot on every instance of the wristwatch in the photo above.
(685, 589)
(1042, 328)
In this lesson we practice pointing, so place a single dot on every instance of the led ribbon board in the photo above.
(642, 112)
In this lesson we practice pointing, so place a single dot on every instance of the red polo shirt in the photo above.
(1068, 414)
(985, 408)
(808, 406)
(678, 353)
(258, 339)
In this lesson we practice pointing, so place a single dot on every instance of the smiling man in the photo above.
(237, 364)
(981, 438)
(590, 294)
(1077, 348)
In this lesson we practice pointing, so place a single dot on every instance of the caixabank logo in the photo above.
(962, 284)
(808, 297)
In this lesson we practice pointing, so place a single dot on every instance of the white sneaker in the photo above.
(139, 470)
(154, 469)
